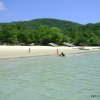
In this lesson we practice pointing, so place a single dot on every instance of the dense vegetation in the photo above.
(44, 31)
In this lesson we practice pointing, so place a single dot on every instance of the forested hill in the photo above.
(35, 23)
(62, 24)
(45, 30)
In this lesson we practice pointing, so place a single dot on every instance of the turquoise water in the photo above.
(74, 77)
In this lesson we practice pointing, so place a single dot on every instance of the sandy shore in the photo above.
(26, 51)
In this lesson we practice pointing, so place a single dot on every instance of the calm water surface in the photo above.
(74, 77)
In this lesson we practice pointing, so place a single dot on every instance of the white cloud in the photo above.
(2, 6)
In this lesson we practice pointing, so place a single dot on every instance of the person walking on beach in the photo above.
(57, 51)
(29, 50)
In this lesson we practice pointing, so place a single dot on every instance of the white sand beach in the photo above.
(27, 51)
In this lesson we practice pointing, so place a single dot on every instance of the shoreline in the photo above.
(34, 51)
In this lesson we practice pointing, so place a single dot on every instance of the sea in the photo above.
(73, 77)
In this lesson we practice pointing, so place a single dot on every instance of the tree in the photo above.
(56, 34)
(12, 38)
(24, 37)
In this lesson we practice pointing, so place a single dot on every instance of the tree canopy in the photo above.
(46, 30)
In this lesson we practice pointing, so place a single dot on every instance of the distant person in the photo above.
(62, 54)
(57, 51)
(29, 50)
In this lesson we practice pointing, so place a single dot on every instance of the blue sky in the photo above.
(81, 11)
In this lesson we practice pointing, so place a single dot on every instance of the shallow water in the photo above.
(74, 77)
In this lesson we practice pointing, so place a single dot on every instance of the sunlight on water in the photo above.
(74, 77)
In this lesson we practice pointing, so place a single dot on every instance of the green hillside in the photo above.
(45, 30)
(33, 24)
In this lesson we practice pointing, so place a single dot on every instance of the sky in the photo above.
(80, 11)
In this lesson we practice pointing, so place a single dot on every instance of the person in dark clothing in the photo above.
(62, 54)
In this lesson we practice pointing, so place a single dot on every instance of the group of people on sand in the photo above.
(61, 54)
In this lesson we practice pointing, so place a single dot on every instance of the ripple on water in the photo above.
(74, 77)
